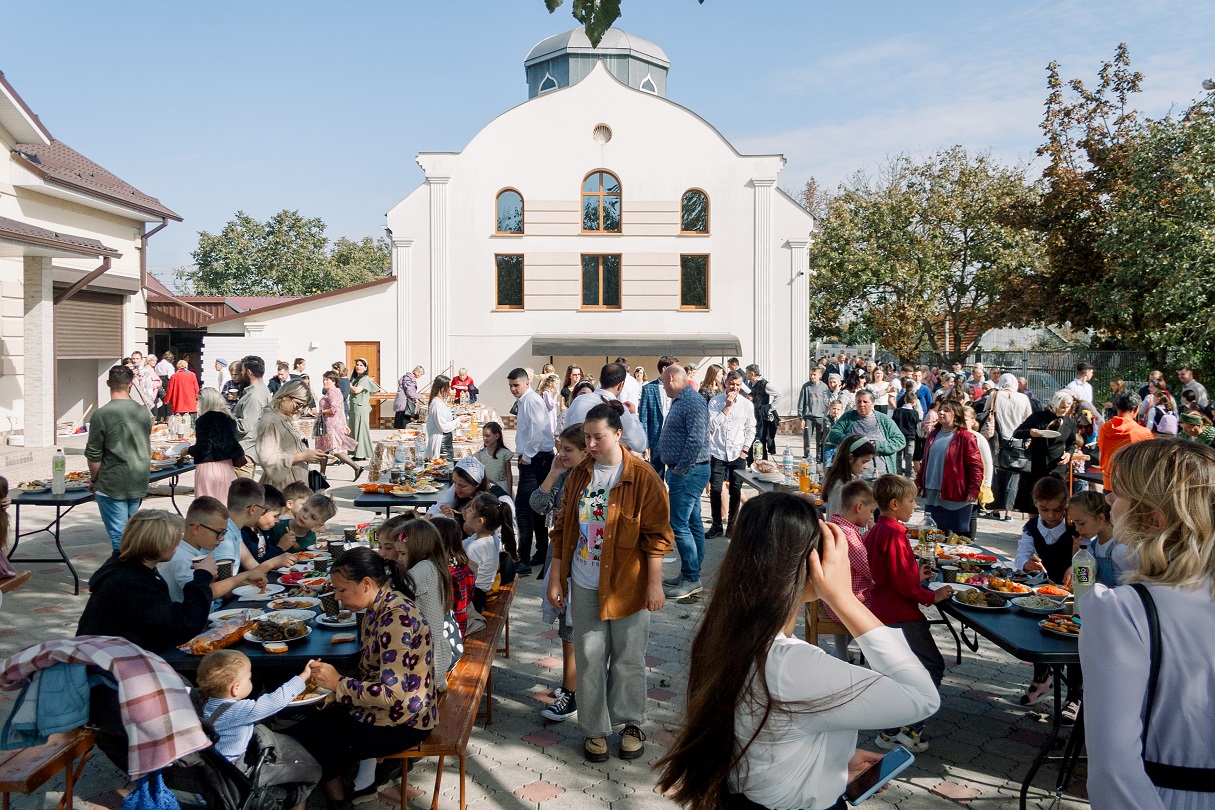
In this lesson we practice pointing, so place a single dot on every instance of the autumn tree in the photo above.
(928, 245)
(288, 254)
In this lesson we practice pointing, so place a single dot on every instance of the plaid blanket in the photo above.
(157, 713)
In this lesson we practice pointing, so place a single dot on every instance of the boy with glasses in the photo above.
(206, 525)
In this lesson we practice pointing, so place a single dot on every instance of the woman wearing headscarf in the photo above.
(1198, 428)
(361, 389)
(1010, 408)
(1052, 438)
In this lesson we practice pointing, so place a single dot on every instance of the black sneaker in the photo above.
(561, 709)
(715, 531)
(522, 569)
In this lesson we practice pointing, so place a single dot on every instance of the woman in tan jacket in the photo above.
(280, 447)
(608, 543)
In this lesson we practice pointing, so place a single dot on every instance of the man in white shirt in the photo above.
(1080, 387)
(534, 445)
(611, 380)
(632, 389)
(731, 431)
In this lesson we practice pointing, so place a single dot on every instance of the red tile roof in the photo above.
(32, 234)
(60, 164)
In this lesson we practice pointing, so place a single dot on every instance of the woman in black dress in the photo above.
(1046, 453)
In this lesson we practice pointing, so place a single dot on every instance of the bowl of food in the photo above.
(1036, 604)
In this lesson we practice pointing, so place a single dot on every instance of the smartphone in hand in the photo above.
(878, 775)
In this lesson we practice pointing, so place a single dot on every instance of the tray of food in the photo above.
(1057, 624)
(979, 600)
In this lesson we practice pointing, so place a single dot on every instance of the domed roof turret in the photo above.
(565, 59)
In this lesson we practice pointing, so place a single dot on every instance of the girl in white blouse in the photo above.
(790, 741)
(1159, 756)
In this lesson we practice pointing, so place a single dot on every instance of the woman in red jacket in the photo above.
(952, 473)
(182, 393)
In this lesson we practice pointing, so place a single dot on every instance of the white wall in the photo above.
(544, 148)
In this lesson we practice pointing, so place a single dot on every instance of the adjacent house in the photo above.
(73, 273)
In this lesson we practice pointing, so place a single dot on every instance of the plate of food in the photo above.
(284, 631)
(316, 584)
(303, 556)
(240, 614)
(978, 600)
(298, 568)
(291, 580)
(1058, 624)
(345, 618)
(765, 466)
(75, 486)
(1036, 604)
(295, 603)
(958, 587)
(425, 489)
(267, 591)
(402, 491)
(297, 615)
(1004, 586)
(1051, 591)
(311, 695)
(34, 486)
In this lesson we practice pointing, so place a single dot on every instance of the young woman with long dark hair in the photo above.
(772, 721)
(854, 455)
(440, 422)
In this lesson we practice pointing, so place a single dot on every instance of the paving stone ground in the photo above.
(981, 741)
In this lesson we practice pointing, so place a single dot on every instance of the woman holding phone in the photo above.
(791, 740)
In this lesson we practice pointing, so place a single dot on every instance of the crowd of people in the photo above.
(610, 474)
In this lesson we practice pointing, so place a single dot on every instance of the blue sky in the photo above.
(258, 106)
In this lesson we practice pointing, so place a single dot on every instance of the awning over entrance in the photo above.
(636, 345)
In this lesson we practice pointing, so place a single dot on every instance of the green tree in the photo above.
(927, 246)
(1086, 145)
(1158, 291)
(596, 16)
(288, 254)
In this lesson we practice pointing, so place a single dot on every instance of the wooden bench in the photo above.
(14, 582)
(460, 706)
(27, 769)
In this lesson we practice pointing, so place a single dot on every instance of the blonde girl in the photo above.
(1090, 514)
(1145, 754)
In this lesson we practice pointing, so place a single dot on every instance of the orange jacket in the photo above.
(1114, 434)
(638, 529)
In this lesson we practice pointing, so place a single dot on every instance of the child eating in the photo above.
(898, 592)
(225, 678)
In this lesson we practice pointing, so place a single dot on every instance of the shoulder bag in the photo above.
(1013, 457)
(1168, 777)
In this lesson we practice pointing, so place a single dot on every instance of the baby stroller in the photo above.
(267, 779)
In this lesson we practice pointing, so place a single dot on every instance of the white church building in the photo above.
(596, 219)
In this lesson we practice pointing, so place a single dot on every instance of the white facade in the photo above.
(445, 241)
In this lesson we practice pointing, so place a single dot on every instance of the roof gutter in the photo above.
(143, 250)
(82, 283)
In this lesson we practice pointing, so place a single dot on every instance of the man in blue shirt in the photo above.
(684, 448)
(653, 410)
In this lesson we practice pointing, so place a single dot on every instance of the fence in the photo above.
(1048, 371)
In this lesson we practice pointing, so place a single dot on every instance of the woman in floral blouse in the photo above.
(391, 703)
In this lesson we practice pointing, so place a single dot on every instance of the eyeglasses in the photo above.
(216, 532)
(260, 506)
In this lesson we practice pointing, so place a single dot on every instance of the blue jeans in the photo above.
(956, 521)
(685, 518)
(114, 515)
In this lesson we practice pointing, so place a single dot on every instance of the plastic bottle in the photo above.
(804, 470)
(786, 466)
(926, 550)
(419, 447)
(1084, 574)
(58, 472)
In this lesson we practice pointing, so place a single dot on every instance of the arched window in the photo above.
(548, 83)
(510, 211)
(694, 212)
(648, 86)
(601, 203)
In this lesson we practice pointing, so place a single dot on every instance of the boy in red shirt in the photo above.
(898, 592)
(857, 505)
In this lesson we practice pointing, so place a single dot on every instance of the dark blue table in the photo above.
(376, 501)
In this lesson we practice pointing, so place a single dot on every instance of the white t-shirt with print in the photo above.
(592, 520)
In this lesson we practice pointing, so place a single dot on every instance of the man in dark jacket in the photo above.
(653, 411)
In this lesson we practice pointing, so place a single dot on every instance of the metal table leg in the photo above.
(60, 512)
(1052, 738)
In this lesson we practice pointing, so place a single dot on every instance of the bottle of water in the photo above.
(1084, 575)
(419, 448)
(58, 472)
(786, 466)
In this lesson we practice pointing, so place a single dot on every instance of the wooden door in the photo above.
(369, 351)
